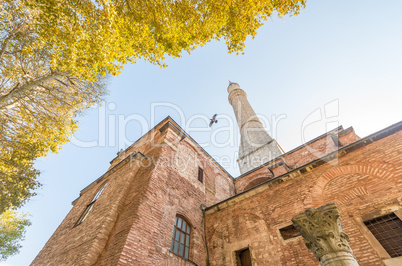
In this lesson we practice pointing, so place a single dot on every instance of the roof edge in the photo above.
(198, 145)
(293, 150)
(326, 158)
(170, 120)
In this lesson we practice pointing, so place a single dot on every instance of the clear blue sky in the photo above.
(342, 59)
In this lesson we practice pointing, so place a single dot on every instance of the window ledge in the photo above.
(292, 239)
(183, 258)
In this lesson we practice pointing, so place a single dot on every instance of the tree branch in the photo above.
(7, 39)
(20, 91)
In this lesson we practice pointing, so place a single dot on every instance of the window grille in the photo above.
(388, 231)
(181, 238)
(88, 209)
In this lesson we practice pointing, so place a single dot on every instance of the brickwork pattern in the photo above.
(295, 159)
(132, 221)
(365, 181)
(89, 237)
(174, 189)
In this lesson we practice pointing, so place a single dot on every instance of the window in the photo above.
(90, 205)
(200, 174)
(388, 231)
(181, 238)
(243, 257)
(289, 232)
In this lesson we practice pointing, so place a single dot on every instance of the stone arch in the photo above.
(252, 180)
(382, 171)
(255, 182)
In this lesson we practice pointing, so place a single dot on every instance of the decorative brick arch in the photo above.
(252, 182)
(382, 171)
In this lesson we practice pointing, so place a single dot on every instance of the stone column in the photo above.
(256, 145)
(322, 231)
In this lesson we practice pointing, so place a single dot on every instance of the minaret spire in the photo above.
(256, 145)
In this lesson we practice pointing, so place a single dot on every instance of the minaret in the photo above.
(256, 145)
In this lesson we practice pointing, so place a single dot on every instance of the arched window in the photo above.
(90, 205)
(181, 238)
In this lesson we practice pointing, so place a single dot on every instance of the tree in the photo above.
(12, 231)
(38, 104)
(90, 37)
(54, 53)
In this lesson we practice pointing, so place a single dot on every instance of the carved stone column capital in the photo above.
(322, 231)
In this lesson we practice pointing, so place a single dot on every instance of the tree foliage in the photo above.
(38, 103)
(90, 37)
(12, 231)
(54, 53)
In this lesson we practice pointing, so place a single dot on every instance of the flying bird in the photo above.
(213, 120)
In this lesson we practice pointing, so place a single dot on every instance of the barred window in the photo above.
(388, 231)
(88, 209)
(181, 238)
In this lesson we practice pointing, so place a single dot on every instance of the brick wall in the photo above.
(132, 221)
(306, 153)
(365, 182)
(173, 189)
(82, 244)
